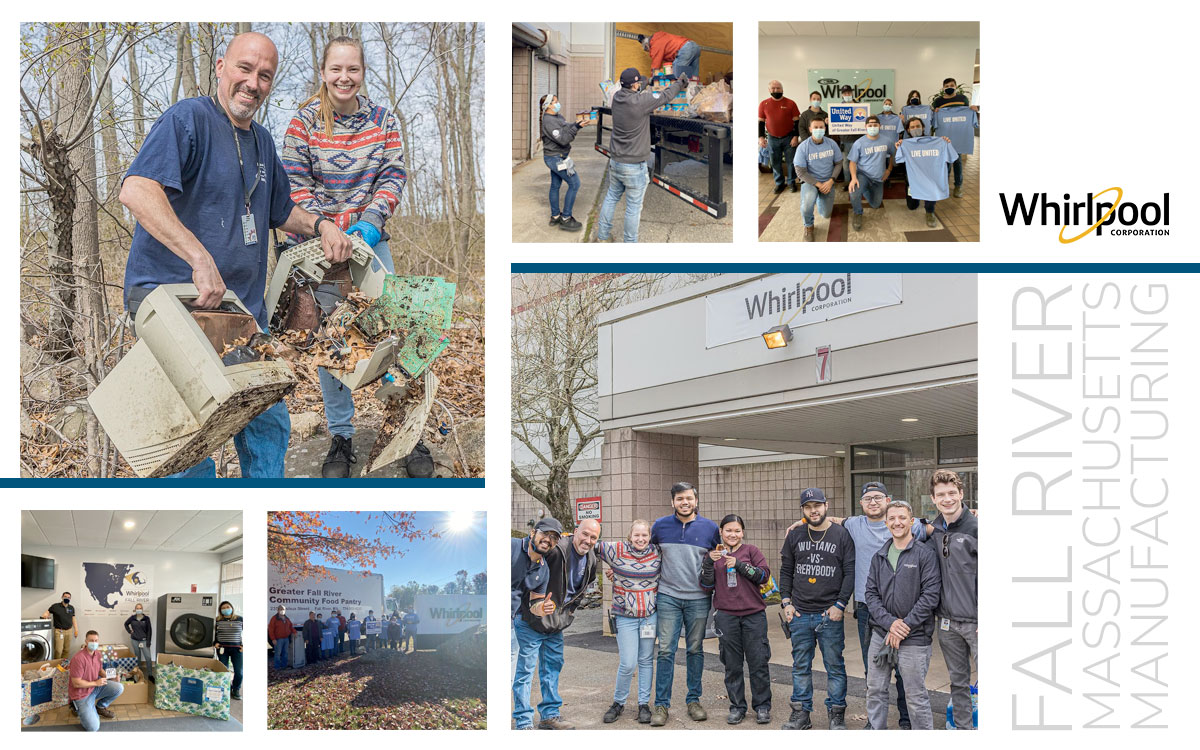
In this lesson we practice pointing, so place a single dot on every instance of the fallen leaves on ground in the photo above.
(419, 691)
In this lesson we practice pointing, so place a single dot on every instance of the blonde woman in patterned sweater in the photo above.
(345, 160)
(635, 566)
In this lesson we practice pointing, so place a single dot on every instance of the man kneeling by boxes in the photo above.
(90, 691)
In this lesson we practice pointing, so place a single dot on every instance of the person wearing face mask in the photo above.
(914, 108)
(395, 633)
(954, 118)
(734, 571)
(926, 160)
(369, 623)
(341, 634)
(329, 636)
(63, 614)
(344, 157)
(777, 130)
(812, 112)
(227, 639)
(891, 126)
(89, 690)
(870, 164)
(844, 142)
(312, 638)
(280, 631)
(635, 565)
(140, 634)
(353, 632)
(557, 136)
(818, 162)
(951, 96)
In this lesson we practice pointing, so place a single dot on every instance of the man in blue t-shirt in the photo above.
(206, 188)
(870, 164)
(958, 124)
(818, 162)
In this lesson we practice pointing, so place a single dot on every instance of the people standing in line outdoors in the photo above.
(572, 569)
(954, 537)
(634, 565)
(141, 635)
(353, 631)
(370, 622)
(818, 162)
(88, 689)
(903, 587)
(778, 122)
(683, 539)
(629, 150)
(681, 52)
(280, 630)
(312, 638)
(344, 158)
(63, 614)
(816, 580)
(341, 632)
(557, 136)
(529, 574)
(735, 573)
(227, 640)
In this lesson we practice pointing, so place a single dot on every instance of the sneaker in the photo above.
(762, 715)
(613, 712)
(555, 722)
(555, 220)
(810, 234)
(779, 189)
(660, 717)
(237, 695)
(799, 719)
(340, 456)
(643, 714)
(958, 191)
(795, 187)
(930, 221)
(696, 712)
(106, 712)
(837, 718)
(604, 239)
(735, 715)
(569, 224)
(856, 221)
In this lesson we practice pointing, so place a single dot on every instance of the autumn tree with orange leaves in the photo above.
(295, 537)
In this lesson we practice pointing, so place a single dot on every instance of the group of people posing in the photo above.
(328, 637)
(207, 187)
(903, 576)
(930, 140)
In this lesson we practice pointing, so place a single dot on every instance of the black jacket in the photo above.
(630, 141)
(564, 612)
(957, 549)
(138, 630)
(557, 135)
(909, 592)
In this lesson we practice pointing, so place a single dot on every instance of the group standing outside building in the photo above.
(331, 637)
(905, 577)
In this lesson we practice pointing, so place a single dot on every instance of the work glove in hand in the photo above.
(887, 658)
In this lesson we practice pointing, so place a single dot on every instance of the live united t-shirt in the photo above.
(871, 155)
(890, 127)
(818, 158)
(922, 112)
(926, 159)
(957, 123)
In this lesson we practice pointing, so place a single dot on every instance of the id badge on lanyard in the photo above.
(646, 630)
(249, 230)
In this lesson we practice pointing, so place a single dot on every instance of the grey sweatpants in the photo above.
(913, 666)
(960, 647)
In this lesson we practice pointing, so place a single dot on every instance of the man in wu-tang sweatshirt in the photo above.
(816, 579)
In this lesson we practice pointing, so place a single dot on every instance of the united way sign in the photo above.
(848, 119)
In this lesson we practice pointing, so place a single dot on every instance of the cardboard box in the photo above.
(136, 692)
(44, 693)
(193, 685)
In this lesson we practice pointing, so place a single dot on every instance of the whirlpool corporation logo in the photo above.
(1099, 210)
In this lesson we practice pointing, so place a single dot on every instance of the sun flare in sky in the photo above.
(460, 520)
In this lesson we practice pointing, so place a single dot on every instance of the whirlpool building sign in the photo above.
(795, 299)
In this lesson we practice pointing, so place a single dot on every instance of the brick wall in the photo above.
(520, 100)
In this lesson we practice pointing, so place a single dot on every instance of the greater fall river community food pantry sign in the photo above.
(795, 299)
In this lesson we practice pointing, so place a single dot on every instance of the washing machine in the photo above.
(185, 624)
(37, 640)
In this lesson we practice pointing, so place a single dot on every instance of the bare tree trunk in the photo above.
(242, 27)
(108, 116)
(135, 96)
(315, 46)
(205, 71)
(186, 70)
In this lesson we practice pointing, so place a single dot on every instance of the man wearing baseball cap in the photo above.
(816, 579)
(529, 571)
(629, 149)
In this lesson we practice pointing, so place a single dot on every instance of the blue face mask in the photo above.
(227, 611)
(818, 134)
(887, 108)
(816, 104)
(93, 645)
(873, 130)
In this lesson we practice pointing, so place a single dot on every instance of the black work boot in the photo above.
(837, 717)
(337, 462)
(643, 713)
(799, 718)
(613, 712)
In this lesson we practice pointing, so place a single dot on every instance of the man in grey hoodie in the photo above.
(629, 148)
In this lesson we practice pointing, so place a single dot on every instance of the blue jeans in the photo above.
(339, 400)
(630, 179)
(864, 640)
(869, 186)
(549, 648)
(283, 652)
(689, 615)
(234, 655)
(515, 648)
(809, 629)
(634, 651)
(782, 153)
(141, 649)
(687, 60)
(261, 446)
(557, 178)
(958, 165)
(99, 698)
(810, 196)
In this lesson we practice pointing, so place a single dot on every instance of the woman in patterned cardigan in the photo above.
(634, 572)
